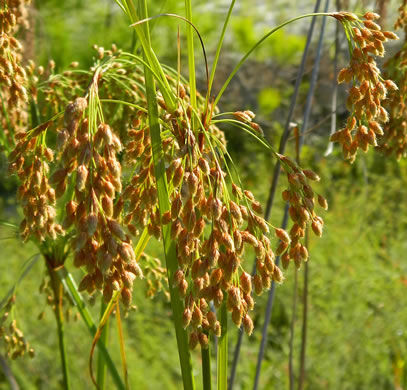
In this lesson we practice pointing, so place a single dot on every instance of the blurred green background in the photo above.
(357, 325)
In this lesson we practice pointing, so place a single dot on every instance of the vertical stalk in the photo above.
(206, 366)
(71, 288)
(57, 289)
(276, 174)
(191, 54)
(267, 317)
(292, 329)
(101, 366)
(223, 350)
(304, 323)
(164, 205)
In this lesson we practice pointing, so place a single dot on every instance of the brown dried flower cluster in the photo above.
(302, 200)
(13, 78)
(394, 141)
(369, 89)
(30, 160)
(102, 176)
(12, 337)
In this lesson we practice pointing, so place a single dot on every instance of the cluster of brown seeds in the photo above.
(13, 78)
(12, 337)
(30, 161)
(369, 89)
(104, 180)
(89, 159)
(394, 141)
(302, 200)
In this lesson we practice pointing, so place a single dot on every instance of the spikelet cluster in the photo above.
(13, 78)
(369, 89)
(302, 201)
(394, 141)
(30, 161)
(11, 336)
(101, 173)
(89, 161)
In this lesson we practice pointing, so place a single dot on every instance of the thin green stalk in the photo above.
(218, 48)
(101, 366)
(122, 350)
(71, 288)
(164, 205)
(129, 8)
(206, 366)
(191, 54)
(57, 289)
(304, 323)
(292, 331)
(258, 43)
(223, 350)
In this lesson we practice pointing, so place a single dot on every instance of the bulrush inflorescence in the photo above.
(11, 336)
(369, 89)
(13, 78)
(101, 174)
(394, 140)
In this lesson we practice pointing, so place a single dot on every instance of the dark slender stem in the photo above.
(206, 367)
(334, 83)
(307, 112)
(276, 174)
(292, 329)
(304, 324)
(8, 374)
(267, 316)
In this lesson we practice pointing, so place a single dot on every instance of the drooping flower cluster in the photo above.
(394, 141)
(13, 78)
(301, 199)
(369, 89)
(101, 173)
(11, 336)
(30, 161)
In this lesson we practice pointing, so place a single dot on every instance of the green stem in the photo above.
(148, 51)
(71, 288)
(58, 295)
(191, 54)
(223, 350)
(101, 367)
(258, 43)
(206, 367)
(164, 205)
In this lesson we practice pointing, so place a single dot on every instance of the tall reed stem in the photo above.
(206, 366)
(223, 350)
(101, 366)
(164, 205)
(57, 289)
(292, 329)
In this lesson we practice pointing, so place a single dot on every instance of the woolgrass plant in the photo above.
(108, 157)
